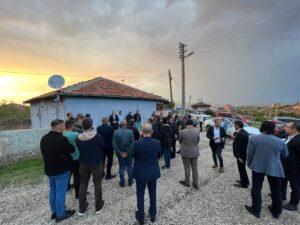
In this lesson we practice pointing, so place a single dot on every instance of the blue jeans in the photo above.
(167, 156)
(57, 195)
(123, 164)
(140, 194)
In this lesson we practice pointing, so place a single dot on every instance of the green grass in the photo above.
(27, 171)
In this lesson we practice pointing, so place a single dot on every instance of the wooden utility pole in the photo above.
(182, 56)
(170, 81)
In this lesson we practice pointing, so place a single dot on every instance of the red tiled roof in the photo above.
(99, 88)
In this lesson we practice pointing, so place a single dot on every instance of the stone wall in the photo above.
(19, 143)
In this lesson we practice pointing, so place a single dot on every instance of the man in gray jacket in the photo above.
(189, 139)
(263, 158)
(123, 141)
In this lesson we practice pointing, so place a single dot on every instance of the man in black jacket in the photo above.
(240, 144)
(56, 150)
(217, 136)
(135, 131)
(166, 142)
(291, 166)
(90, 145)
(107, 133)
(114, 120)
(175, 136)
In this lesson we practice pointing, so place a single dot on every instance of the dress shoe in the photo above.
(152, 218)
(184, 183)
(108, 177)
(141, 222)
(165, 167)
(274, 215)
(68, 214)
(238, 181)
(214, 166)
(221, 170)
(81, 213)
(196, 187)
(53, 216)
(250, 209)
(239, 185)
(121, 185)
(130, 183)
(290, 207)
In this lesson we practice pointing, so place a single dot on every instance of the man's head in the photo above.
(113, 112)
(137, 111)
(147, 130)
(79, 116)
(69, 124)
(189, 123)
(57, 125)
(238, 124)
(105, 120)
(69, 115)
(151, 120)
(123, 124)
(218, 122)
(87, 124)
(267, 127)
(131, 122)
(120, 112)
(292, 128)
(88, 115)
(165, 120)
(129, 113)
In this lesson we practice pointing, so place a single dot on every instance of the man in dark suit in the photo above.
(135, 131)
(114, 120)
(107, 132)
(146, 172)
(240, 144)
(291, 166)
(217, 136)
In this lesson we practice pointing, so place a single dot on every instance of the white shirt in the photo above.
(290, 138)
(217, 135)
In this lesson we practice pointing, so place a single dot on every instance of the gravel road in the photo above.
(217, 201)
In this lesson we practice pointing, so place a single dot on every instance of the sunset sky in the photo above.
(245, 52)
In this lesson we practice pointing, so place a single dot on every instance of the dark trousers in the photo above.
(109, 154)
(75, 172)
(140, 194)
(243, 173)
(200, 124)
(167, 156)
(295, 187)
(217, 154)
(275, 186)
(125, 163)
(85, 175)
(173, 149)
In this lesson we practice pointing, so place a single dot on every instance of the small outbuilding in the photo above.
(98, 97)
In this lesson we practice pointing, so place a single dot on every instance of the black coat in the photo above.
(291, 164)
(210, 136)
(166, 136)
(107, 133)
(240, 144)
(137, 117)
(156, 126)
(175, 131)
(135, 131)
(56, 150)
(114, 121)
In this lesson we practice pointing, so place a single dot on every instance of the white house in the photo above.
(98, 97)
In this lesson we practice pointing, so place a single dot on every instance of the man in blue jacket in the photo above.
(146, 171)
(263, 158)
(123, 141)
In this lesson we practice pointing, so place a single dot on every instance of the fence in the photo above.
(15, 124)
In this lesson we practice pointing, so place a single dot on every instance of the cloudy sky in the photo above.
(245, 52)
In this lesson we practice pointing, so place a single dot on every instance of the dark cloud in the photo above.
(119, 36)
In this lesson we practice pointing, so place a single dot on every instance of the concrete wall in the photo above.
(21, 142)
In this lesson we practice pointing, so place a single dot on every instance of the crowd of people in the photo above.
(74, 147)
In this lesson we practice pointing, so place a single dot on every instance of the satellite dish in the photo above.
(56, 81)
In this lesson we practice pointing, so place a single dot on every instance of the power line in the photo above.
(146, 82)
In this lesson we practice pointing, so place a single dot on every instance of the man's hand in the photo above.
(240, 160)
